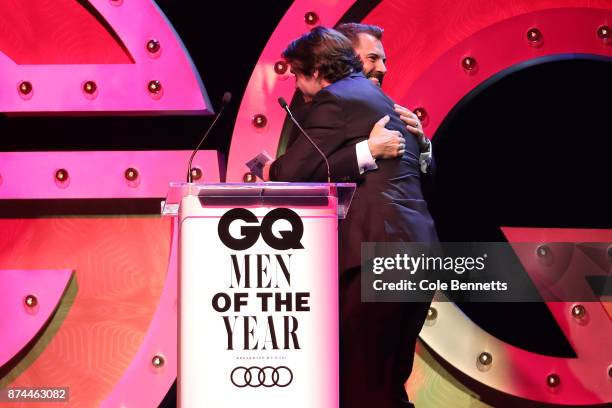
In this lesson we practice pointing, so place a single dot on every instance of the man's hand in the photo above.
(413, 124)
(385, 143)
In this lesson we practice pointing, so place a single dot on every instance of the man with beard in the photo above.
(377, 339)
(367, 43)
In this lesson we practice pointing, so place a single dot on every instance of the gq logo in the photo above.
(289, 239)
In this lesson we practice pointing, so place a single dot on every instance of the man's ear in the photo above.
(315, 74)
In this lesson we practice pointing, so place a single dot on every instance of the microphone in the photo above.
(283, 103)
(227, 97)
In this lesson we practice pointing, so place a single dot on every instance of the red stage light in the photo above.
(421, 113)
(30, 301)
(553, 380)
(25, 87)
(311, 18)
(158, 361)
(90, 87)
(484, 361)
(534, 35)
(259, 121)
(196, 173)
(543, 251)
(578, 311)
(153, 46)
(154, 87)
(249, 178)
(280, 67)
(61, 175)
(131, 174)
(468, 64)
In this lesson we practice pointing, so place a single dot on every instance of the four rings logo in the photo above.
(261, 376)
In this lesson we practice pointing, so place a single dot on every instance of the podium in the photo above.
(258, 293)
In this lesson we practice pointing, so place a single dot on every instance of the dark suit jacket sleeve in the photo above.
(326, 126)
(343, 166)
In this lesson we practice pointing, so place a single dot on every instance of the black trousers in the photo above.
(377, 342)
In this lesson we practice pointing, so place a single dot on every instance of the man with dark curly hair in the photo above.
(377, 339)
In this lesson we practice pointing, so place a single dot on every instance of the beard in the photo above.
(376, 77)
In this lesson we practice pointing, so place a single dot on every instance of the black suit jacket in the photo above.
(343, 163)
(388, 204)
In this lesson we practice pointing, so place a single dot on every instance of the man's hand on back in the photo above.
(385, 143)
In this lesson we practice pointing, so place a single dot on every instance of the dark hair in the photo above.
(324, 50)
(352, 30)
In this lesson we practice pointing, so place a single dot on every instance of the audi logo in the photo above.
(261, 376)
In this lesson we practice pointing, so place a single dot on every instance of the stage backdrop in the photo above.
(89, 221)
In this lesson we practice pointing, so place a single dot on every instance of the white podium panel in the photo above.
(258, 305)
